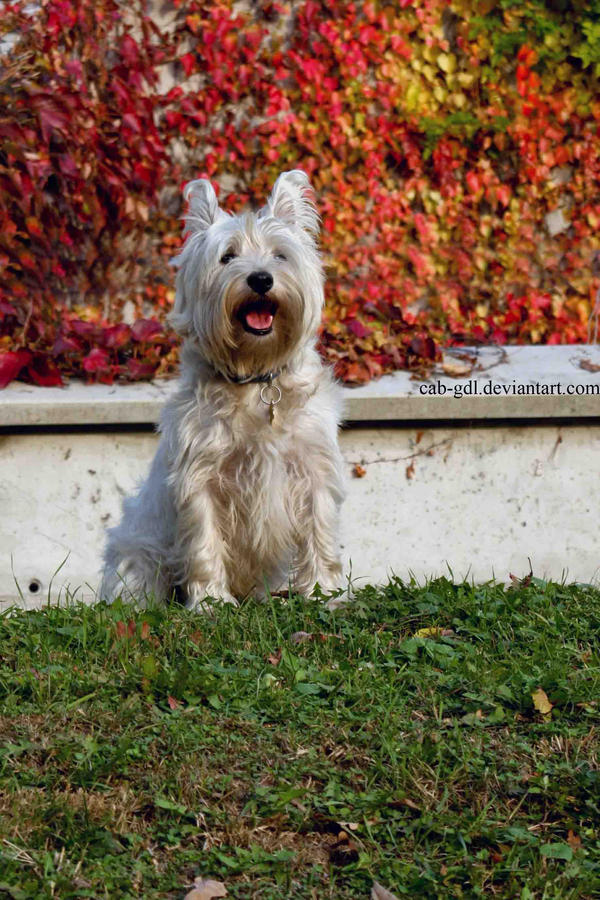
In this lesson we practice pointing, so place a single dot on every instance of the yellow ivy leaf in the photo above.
(447, 62)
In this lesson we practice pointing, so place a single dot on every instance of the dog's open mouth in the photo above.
(257, 314)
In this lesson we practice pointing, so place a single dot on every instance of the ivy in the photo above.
(438, 143)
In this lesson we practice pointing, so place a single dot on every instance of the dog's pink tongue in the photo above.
(259, 320)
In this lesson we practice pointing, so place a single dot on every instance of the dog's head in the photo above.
(250, 287)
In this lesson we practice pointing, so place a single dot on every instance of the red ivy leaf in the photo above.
(96, 361)
(6, 309)
(44, 371)
(84, 329)
(358, 329)
(188, 61)
(137, 369)
(116, 336)
(423, 347)
(145, 329)
(66, 344)
(51, 119)
(11, 364)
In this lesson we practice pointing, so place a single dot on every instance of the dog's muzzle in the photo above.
(257, 313)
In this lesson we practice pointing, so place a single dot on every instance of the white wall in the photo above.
(478, 499)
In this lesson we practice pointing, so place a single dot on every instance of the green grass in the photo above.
(140, 749)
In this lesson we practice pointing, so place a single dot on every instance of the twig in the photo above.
(424, 452)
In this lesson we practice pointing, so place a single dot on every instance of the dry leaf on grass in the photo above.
(206, 889)
(541, 702)
(433, 632)
(298, 637)
(378, 892)
(573, 840)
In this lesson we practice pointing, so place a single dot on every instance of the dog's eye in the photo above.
(280, 256)
(227, 257)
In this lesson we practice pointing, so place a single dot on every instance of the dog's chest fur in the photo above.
(259, 492)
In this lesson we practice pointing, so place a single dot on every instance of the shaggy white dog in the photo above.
(244, 491)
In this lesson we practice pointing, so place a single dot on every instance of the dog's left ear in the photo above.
(292, 201)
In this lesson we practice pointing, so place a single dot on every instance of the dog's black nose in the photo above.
(260, 282)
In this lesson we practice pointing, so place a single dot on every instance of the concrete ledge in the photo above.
(472, 383)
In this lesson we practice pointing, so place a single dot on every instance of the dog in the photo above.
(244, 493)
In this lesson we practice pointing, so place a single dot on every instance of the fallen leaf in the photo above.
(410, 470)
(206, 889)
(299, 637)
(274, 658)
(588, 365)
(358, 471)
(173, 703)
(456, 369)
(378, 892)
(541, 702)
(573, 840)
(434, 632)
(428, 632)
(520, 582)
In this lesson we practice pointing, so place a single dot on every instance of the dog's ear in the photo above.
(292, 201)
(203, 207)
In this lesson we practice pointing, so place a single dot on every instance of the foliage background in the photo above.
(439, 137)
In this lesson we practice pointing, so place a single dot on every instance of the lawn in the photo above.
(439, 739)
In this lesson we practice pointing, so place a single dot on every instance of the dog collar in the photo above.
(267, 378)
(253, 379)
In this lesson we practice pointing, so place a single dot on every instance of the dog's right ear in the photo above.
(203, 207)
(202, 211)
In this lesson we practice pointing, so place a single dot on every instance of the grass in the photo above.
(289, 751)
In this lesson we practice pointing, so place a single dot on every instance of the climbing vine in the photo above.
(453, 146)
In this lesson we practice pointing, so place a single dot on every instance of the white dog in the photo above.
(244, 491)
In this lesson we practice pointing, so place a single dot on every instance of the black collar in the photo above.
(267, 378)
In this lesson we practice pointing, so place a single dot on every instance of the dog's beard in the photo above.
(249, 334)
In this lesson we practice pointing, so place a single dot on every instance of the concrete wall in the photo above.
(475, 494)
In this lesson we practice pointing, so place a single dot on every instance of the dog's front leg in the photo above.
(319, 556)
(201, 552)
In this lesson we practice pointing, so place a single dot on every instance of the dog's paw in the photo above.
(340, 600)
(204, 597)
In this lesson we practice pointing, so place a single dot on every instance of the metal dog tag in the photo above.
(271, 398)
